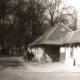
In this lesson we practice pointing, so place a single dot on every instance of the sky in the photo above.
(76, 5)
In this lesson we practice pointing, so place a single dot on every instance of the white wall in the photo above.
(38, 52)
(77, 54)
(62, 49)
(68, 58)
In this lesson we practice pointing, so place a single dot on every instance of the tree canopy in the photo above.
(22, 21)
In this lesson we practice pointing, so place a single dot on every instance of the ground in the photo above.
(15, 68)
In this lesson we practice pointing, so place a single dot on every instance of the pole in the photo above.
(44, 55)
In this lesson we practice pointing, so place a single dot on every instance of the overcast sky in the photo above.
(76, 5)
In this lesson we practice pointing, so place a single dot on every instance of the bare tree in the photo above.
(53, 9)
(58, 11)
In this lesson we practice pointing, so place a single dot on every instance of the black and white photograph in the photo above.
(39, 39)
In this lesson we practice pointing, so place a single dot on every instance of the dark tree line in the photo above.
(22, 21)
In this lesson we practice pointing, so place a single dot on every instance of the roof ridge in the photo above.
(69, 36)
(77, 31)
(50, 29)
(66, 27)
(51, 32)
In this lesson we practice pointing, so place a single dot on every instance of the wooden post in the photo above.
(44, 55)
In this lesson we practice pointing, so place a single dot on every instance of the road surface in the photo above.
(14, 68)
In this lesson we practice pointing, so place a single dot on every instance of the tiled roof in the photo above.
(54, 36)
(74, 38)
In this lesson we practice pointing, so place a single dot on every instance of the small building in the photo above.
(47, 47)
(59, 43)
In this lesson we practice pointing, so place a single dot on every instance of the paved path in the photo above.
(14, 68)
(12, 75)
(18, 64)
